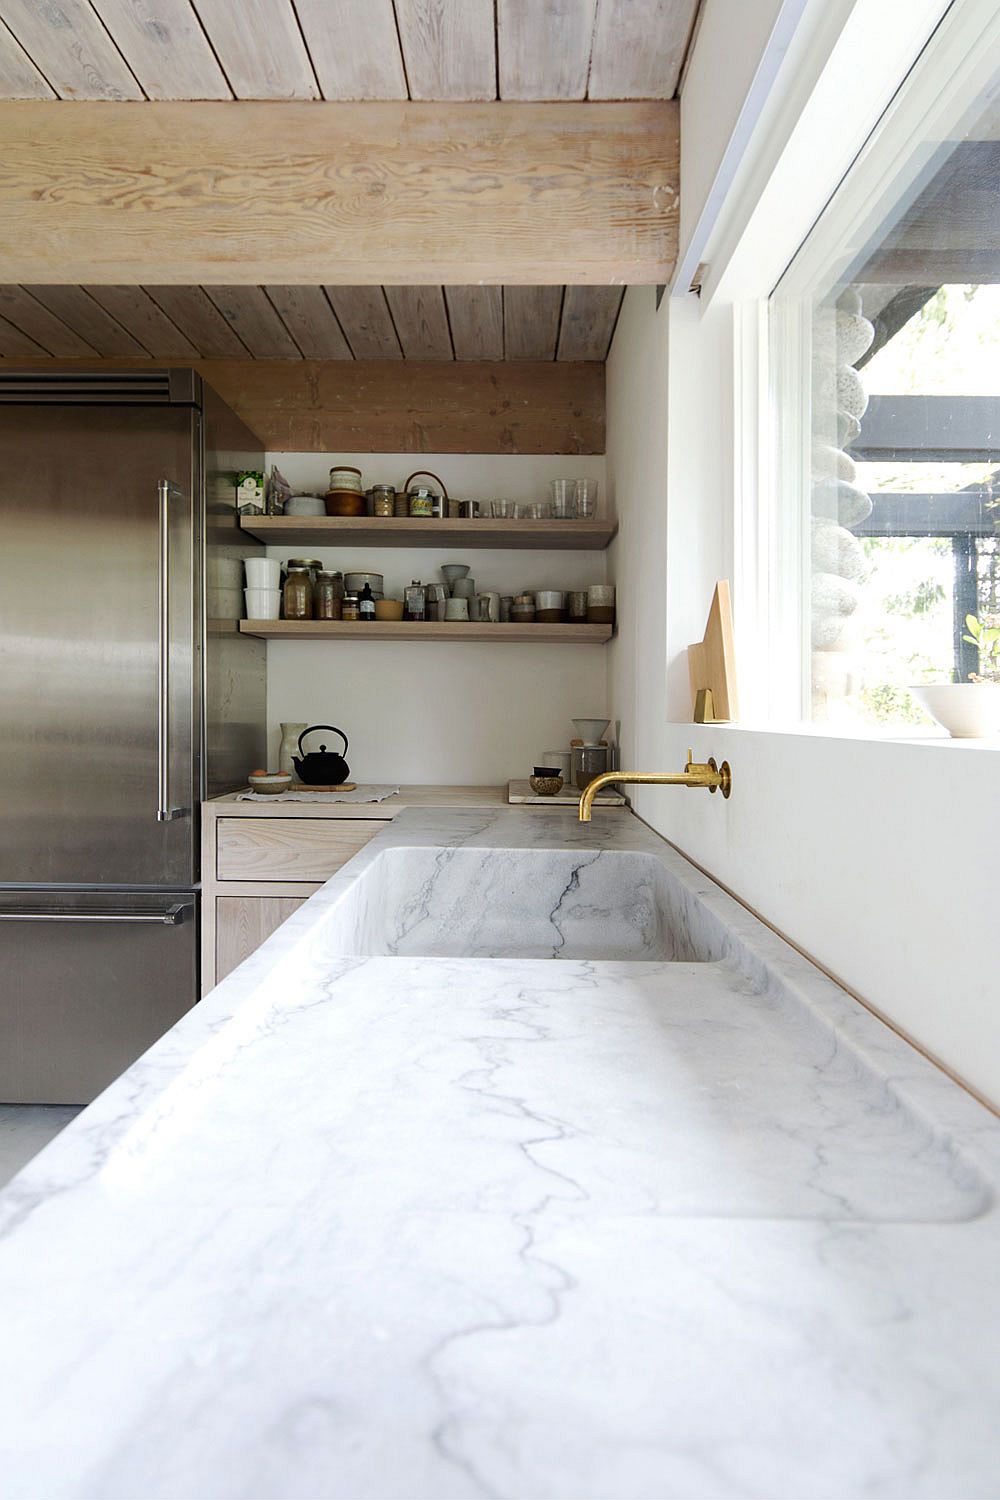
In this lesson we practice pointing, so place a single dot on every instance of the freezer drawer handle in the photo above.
(172, 917)
(164, 812)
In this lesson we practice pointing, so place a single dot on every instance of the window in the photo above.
(885, 345)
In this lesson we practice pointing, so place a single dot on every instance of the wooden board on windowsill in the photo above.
(403, 531)
(425, 630)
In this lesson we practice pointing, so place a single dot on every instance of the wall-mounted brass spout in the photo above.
(696, 773)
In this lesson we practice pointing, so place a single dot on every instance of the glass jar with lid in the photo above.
(297, 596)
(383, 499)
(349, 609)
(328, 595)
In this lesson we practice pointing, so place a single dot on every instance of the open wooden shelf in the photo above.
(425, 630)
(405, 531)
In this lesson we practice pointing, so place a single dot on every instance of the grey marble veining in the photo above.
(365, 1225)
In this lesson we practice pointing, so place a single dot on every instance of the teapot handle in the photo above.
(312, 730)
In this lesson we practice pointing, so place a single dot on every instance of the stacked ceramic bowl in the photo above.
(263, 590)
(346, 495)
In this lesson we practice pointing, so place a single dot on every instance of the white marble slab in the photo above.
(443, 1226)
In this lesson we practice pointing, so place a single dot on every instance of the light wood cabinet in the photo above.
(288, 848)
(243, 922)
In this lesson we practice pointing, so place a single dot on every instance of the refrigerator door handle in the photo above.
(171, 916)
(164, 812)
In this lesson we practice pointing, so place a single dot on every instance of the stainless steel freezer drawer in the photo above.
(88, 981)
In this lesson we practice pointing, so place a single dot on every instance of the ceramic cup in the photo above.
(601, 604)
(456, 609)
(262, 572)
(463, 588)
(506, 600)
(488, 607)
(549, 605)
(263, 604)
(576, 604)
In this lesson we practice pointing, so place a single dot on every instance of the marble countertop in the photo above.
(415, 1228)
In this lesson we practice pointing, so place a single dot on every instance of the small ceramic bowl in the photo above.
(454, 571)
(545, 786)
(270, 783)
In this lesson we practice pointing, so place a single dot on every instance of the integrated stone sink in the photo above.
(517, 903)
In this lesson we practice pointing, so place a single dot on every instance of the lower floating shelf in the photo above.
(423, 630)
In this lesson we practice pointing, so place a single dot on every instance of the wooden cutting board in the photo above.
(304, 786)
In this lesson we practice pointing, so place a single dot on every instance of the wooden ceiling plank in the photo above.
(70, 47)
(19, 307)
(248, 310)
(88, 318)
(260, 46)
(19, 78)
(589, 315)
(421, 321)
(310, 320)
(543, 49)
(639, 48)
(140, 315)
(364, 316)
(165, 47)
(354, 48)
(449, 48)
(476, 317)
(198, 318)
(16, 345)
(265, 192)
(531, 321)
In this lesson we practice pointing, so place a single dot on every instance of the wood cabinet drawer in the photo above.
(289, 848)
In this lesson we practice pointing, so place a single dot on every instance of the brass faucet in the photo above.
(696, 773)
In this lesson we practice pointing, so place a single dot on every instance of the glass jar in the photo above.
(383, 500)
(312, 566)
(415, 601)
(349, 608)
(589, 762)
(328, 596)
(297, 597)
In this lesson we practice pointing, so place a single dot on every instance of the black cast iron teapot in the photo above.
(321, 767)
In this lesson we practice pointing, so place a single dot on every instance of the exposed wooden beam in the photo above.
(388, 406)
(297, 193)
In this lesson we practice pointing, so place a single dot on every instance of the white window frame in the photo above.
(957, 64)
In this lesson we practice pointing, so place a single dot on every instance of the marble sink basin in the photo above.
(517, 903)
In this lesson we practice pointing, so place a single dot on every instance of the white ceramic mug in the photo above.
(263, 604)
(262, 572)
(456, 609)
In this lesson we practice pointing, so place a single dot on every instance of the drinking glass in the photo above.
(585, 499)
(563, 496)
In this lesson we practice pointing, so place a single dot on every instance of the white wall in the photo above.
(875, 857)
(468, 713)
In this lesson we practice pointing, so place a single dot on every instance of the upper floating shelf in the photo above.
(405, 531)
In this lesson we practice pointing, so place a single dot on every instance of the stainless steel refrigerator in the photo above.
(127, 695)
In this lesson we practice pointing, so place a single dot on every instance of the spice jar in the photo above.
(349, 608)
(415, 601)
(297, 596)
(328, 596)
(383, 499)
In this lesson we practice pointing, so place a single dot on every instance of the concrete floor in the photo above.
(25, 1129)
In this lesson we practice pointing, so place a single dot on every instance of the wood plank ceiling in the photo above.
(493, 323)
(343, 49)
